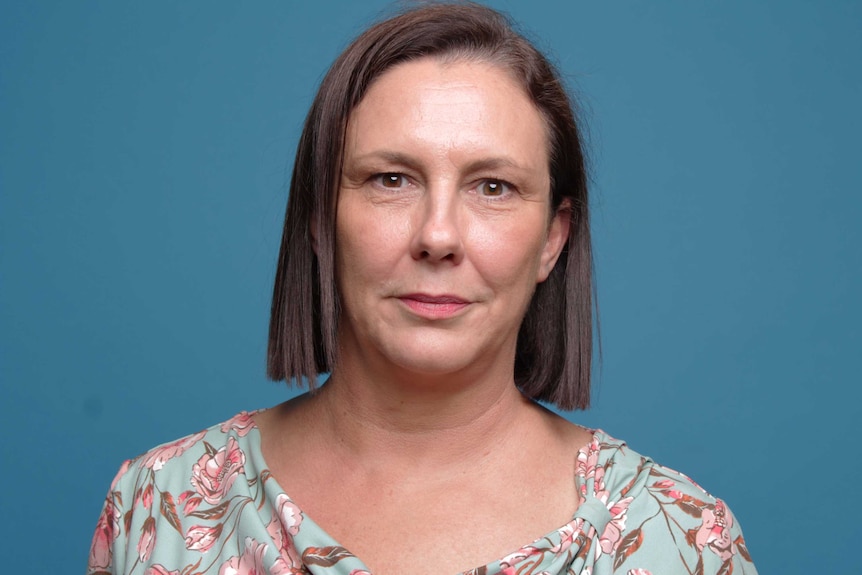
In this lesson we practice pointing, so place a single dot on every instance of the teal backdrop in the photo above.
(144, 153)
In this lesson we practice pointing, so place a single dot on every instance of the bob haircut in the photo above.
(554, 348)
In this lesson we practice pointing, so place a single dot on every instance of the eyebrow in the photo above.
(400, 158)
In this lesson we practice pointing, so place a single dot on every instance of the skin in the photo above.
(423, 209)
(444, 228)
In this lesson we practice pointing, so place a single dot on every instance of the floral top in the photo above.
(208, 504)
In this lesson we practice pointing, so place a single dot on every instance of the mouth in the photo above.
(434, 306)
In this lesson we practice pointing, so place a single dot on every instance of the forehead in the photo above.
(461, 107)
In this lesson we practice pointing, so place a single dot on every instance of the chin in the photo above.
(429, 364)
(431, 359)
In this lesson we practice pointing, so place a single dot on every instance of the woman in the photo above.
(436, 260)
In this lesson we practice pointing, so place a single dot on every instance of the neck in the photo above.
(433, 421)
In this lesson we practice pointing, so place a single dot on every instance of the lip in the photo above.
(430, 306)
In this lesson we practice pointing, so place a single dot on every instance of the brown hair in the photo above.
(554, 348)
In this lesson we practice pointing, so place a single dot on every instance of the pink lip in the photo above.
(434, 306)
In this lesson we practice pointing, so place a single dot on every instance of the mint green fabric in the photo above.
(207, 504)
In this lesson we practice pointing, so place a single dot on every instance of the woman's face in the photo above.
(444, 224)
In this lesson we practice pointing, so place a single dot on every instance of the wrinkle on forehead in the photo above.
(447, 106)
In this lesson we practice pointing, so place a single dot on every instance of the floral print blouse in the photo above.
(208, 504)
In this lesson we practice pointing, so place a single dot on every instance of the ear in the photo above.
(558, 235)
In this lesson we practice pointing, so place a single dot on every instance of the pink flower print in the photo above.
(147, 540)
(214, 474)
(157, 458)
(189, 501)
(665, 486)
(359, 572)
(242, 423)
(518, 556)
(280, 568)
(147, 496)
(249, 563)
(107, 530)
(289, 514)
(567, 534)
(611, 536)
(200, 538)
(599, 489)
(288, 563)
(714, 531)
(585, 467)
(285, 522)
(588, 456)
(192, 504)
(275, 530)
(159, 570)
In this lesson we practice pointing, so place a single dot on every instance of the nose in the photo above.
(437, 233)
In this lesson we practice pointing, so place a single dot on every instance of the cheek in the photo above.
(367, 243)
(509, 253)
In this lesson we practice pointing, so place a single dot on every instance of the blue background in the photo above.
(144, 154)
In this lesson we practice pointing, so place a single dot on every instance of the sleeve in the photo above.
(675, 527)
(109, 541)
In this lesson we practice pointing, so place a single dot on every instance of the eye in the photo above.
(391, 180)
(492, 188)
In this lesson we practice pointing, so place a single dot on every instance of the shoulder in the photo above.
(659, 520)
(224, 444)
(174, 496)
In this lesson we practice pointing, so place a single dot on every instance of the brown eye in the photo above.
(391, 180)
(492, 188)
